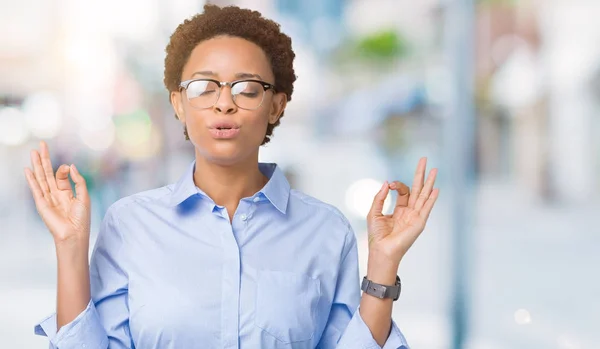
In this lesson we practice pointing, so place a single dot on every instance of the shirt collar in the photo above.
(277, 189)
(185, 187)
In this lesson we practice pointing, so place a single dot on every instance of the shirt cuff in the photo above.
(357, 335)
(85, 331)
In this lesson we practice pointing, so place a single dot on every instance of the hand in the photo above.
(390, 236)
(66, 216)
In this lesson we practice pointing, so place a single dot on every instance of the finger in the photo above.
(36, 191)
(377, 206)
(403, 193)
(47, 166)
(417, 182)
(81, 191)
(428, 206)
(426, 191)
(40, 177)
(62, 179)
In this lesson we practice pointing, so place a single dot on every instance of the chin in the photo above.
(224, 154)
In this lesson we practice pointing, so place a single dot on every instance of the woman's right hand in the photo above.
(66, 215)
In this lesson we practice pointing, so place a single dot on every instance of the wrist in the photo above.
(73, 241)
(381, 269)
(72, 249)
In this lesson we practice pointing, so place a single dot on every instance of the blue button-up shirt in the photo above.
(170, 270)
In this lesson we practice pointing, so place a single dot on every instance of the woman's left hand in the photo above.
(390, 236)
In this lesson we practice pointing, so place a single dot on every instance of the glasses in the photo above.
(246, 94)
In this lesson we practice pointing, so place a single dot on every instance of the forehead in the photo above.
(227, 56)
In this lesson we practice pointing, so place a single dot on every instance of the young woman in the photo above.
(229, 256)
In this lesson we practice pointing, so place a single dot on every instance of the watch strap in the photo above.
(381, 291)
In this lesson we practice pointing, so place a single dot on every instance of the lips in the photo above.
(224, 125)
(224, 130)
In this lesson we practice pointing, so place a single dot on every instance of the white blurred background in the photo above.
(374, 90)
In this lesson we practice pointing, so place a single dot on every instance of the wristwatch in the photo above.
(381, 291)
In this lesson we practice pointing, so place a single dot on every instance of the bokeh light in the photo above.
(13, 129)
(522, 317)
(136, 136)
(360, 195)
(43, 115)
(99, 139)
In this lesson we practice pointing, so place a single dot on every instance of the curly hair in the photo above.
(232, 21)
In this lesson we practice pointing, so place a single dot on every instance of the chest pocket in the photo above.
(286, 305)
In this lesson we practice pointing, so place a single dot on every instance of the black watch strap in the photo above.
(381, 291)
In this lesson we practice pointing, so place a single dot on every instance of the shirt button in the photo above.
(256, 199)
(244, 217)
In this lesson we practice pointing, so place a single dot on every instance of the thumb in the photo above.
(80, 185)
(62, 178)
(377, 206)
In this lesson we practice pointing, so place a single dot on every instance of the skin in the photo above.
(227, 171)
(68, 220)
(390, 237)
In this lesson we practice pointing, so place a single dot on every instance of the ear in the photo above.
(278, 105)
(177, 104)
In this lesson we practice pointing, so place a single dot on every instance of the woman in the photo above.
(229, 256)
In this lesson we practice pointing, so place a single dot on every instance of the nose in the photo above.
(225, 102)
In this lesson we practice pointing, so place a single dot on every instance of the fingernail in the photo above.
(74, 168)
(383, 185)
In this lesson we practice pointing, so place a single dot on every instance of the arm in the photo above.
(68, 219)
(73, 281)
(346, 327)
(104, 320)
(77, 323)
(377, 313)
(390, 237)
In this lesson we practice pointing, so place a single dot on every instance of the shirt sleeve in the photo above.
(345, 328)
(105, 321)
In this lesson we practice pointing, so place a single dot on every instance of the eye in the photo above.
(201, 88)
(247, 89)
(206, 92)
(249, 94)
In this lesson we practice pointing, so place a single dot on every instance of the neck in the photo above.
(226, 185)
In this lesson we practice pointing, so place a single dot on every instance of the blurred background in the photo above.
(502, 95)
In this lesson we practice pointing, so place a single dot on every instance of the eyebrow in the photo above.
(237, 75)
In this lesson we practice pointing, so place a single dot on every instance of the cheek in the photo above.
(195, 124)
(257, 122)
(258, 128)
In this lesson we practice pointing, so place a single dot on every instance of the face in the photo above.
(225, 133)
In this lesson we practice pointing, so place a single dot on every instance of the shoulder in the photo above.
(322, 211)
(311, 203)
(156, 196)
